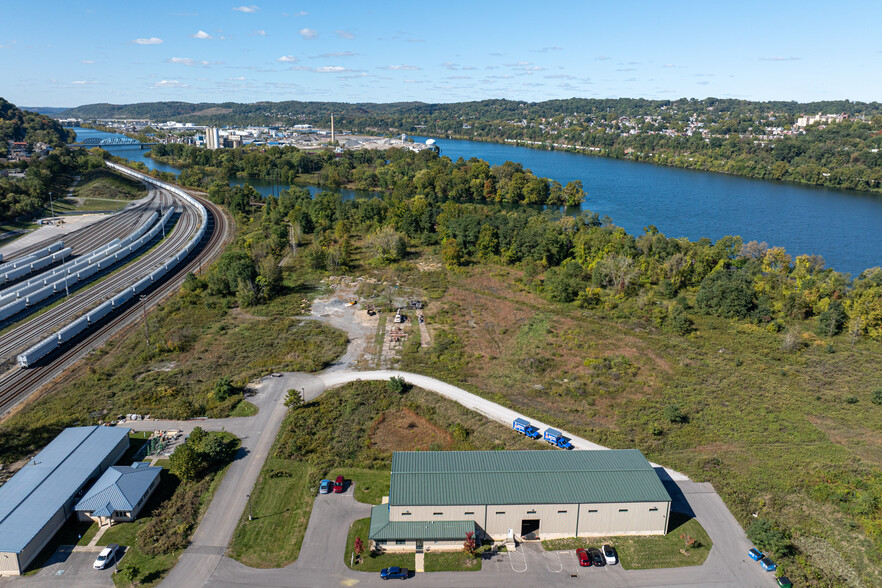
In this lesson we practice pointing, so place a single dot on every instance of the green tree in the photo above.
(573, 193)
(726, 293)
(223, 389)
(451, 253)
(768, 538)
(675, 415)
(186, 462)
(293, 398)
(831, 321)
(397, 385)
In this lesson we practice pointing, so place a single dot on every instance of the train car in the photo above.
(121, 298)
(87, 271)
(141, 285)
(99, 312)
(38, 352)
(38, 296)
(70, 331)
(16, 273)
(41, 263)
(12, 308)
(63, 254)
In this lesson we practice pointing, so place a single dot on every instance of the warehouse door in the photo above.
(529, 528)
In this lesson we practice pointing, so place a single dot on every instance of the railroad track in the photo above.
(16, 385)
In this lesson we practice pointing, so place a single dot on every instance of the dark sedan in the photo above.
(597, 557)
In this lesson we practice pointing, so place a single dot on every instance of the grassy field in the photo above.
(644, 553)
(281, 504)
(102, 183)
(373, 562)
(244, 409)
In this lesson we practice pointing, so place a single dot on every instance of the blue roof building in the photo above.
(40, 497)
(119, 494)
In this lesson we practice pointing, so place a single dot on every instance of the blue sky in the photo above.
(72, 52)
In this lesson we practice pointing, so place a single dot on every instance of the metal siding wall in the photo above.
(451, 513)
(639, 520)
(41, 539)
(551, 523)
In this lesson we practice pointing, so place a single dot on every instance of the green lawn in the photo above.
(85, 205)
(281, 504)
(451, 561)
(652, 552)
(373, 563)
(370, 485)
(244, 409)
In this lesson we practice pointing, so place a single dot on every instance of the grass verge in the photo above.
(281, 503)
(652, 552)
(370, 485)
(244, 409)
(451, 561)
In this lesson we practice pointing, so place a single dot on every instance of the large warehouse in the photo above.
(39, 498)
(436, 496)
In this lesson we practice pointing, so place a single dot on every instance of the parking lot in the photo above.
(67, 567)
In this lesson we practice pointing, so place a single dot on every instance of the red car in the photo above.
(338, 485)
(584, 559)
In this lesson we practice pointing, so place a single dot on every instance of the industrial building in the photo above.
(435, 497)
(119, 494)
(39, 498)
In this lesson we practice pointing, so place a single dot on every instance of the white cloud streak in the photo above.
(148, 41)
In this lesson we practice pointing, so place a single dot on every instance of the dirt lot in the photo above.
(403, 430)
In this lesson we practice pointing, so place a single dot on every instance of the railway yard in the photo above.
(53, 333)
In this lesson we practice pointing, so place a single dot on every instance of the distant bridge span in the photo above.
(110, 142)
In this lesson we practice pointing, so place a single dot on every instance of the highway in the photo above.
(18, 384)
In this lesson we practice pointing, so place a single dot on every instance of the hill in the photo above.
(22, 125)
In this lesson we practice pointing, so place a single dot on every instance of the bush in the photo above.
(675, 415)
(831, 321)
(397, 385)
(876, 396)
(768, 538)
(727, 294)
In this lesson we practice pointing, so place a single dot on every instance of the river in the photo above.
(843, 226)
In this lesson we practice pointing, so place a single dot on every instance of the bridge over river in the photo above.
(111, 141)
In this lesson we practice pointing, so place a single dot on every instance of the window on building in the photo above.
(437, 514)
(531, 512)
(405, 514)
(593, 510)
(623, 510)
(500, 512)
(400, 542)
(469, 512)
(380, 542)
(561, 512)
(653, 509)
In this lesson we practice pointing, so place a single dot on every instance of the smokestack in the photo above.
(332, 129)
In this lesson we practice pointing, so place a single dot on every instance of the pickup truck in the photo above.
(557, 439)
(524, 427)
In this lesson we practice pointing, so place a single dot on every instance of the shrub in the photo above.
(768, 538)
(831, 321)
(727, 294)
(675, 415)
(397, 385)
(876, 396)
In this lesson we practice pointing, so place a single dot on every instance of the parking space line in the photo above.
(552, 560)
(521, 558)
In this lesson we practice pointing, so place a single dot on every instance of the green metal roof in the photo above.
(382, 528)
(422, 478)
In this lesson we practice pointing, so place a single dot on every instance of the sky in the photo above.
(74, 52)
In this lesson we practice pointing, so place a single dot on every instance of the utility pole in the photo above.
(250, 514)
(52, 207)
(144, 310)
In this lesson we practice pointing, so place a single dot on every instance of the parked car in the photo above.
(395, 573)
(584, 558)
(768, 564)
(338, 485)
(596, 556)
(325, 486)
(755, 554)
(784, 582)
(107, 555)
(609, 553)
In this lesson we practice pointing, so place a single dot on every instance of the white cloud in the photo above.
(248, 9)
(603, 58)
(330, 69)
(82, 82)
(308, 33)
(339, 54)
(191, 62)
(169, 84)
(87, 61)
(400, 67)
(258, 33)
(239, 79)
(148, 41)
(345, 34)
(287, 59)
(200, 34)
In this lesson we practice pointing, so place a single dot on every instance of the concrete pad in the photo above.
(71, 223)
